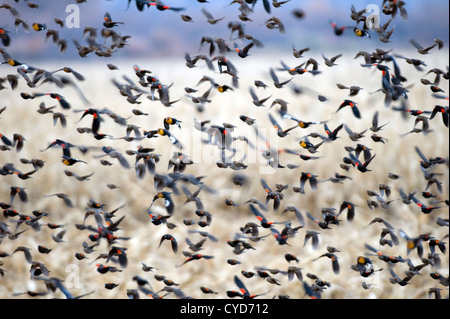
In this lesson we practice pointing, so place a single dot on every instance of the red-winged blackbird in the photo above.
(243, 292)
(171, 121)
(207, 290)
(280, 237)
(364, 266)
(168, 202)
(338, 30)
(322, 224)
(362, 167)
(395, 279)
(353, 106)
(375, 127)
(332, 134)
(312, 293)
(276, 81)
(4, 35)
(433, 242)
(383, 257)
(334, 261)
(104, 269)
(264, 222)
(108, 23)
(243, 53)
(330, 61)
(297, 212)
(421, 49)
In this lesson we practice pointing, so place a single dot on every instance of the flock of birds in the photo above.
(104, 230)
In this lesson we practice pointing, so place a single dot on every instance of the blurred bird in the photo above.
(330, 62)
(242, 293)
(209, 17)
(173, 242)
(421, 49)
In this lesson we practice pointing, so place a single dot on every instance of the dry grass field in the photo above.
(133, 196)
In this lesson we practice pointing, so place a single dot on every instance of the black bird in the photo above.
(413, 243)
(424, 208)
(243, 291)
(298, 53)
(444, 111)
(264, 222)
(421, 49)
(338, 30)
(354, 89)
(108, 23)
(210, 18)
(194, 257)
(168, 202)
(353, 106)
(350, 207)
(395, 279)
(354, 136)
(276, 81)
(332, 134)
(364, 266)
(381, 220)
(64, 146)
(256, 100)
(322, 224)
(306, 176)
(280, 131)
(362, 167)
(17, 191)
(334, 261)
